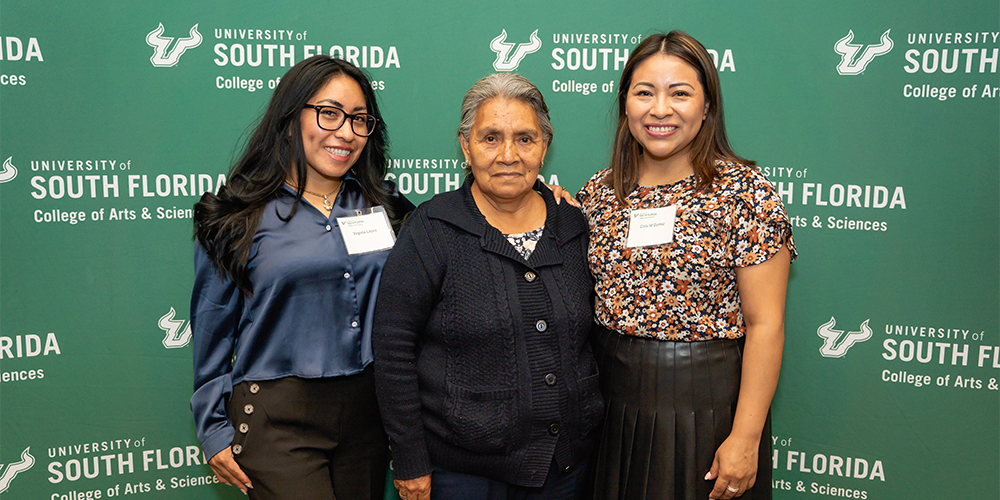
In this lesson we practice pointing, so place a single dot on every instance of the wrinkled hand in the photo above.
(561, 194)
(414, 489)
(735, 466)
(228, 471)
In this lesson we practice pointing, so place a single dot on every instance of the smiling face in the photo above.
(505, 148)
(330, 154)
(665, 107)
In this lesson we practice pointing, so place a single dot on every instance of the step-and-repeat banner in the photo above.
(878, 123)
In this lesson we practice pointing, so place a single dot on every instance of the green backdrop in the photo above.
(878, 122)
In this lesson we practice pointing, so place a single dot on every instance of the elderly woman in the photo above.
(485, 379)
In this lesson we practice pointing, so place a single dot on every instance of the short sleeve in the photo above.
(760, 226)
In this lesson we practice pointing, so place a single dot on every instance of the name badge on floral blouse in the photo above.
(367, 232)
(652, 226)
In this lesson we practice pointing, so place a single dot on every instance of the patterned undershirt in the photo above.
(525, 243)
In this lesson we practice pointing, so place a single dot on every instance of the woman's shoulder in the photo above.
(747, 186)
(402, 206)
(596, 181)
(572, 220)
(733, 171)
(443, 203)
(739, 179)
(442, 209)
(594, 186)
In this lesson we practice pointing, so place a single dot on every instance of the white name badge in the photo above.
(367, 233)
(653, 226)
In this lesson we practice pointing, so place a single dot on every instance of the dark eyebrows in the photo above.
(337, 104)
(672, 85)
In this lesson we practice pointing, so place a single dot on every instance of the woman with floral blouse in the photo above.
(690, 249)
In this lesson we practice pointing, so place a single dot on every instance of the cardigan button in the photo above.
(541, 325)
(237, 449)
(530, 276)
(248, 409)
(254, 388)
(554, 428)
(550, 379)
(244, 428)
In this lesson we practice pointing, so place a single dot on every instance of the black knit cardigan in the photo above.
(482, 359)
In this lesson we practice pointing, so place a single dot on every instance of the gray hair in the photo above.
(509, 86)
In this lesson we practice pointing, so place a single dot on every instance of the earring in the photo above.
(465, 165)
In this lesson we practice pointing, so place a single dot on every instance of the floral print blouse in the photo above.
(525, 243)
(684, 290)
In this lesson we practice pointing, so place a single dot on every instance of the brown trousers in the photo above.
(303, 439)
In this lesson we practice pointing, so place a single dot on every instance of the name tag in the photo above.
(653, 226)
(367, 233)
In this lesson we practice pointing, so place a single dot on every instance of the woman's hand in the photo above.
(734, 468)
(561, 194)
(762, 290)
(414, 489)
(228, 471)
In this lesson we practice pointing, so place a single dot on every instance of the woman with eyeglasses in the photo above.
(287, 265)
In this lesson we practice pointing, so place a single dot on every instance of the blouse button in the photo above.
(354, 324)
(347, 275)
(244, 428)
(254, 388)
(248, 409)
(328, 227)
(530, 276)
(540, 325)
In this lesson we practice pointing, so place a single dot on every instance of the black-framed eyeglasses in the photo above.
(332, 118)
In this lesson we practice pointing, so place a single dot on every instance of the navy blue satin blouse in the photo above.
(310, 315)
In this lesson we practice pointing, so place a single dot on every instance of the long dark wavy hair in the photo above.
(709, 145)
(225, 223)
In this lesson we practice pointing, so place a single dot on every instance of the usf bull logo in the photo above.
(12, 470)
(8, 171)
(175, 337)
(850, 62)
(507, 61)
(836, 343)
(161, 57)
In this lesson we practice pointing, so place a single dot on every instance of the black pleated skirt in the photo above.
(670, 405)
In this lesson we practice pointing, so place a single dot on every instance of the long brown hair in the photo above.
(225, 223)
(709, 145)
